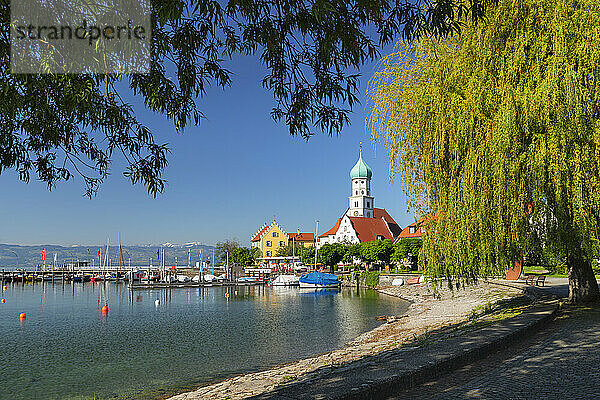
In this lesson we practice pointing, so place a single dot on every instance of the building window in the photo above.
(269, 243)
(412, 229)
(268, 253)
(281, 243)
(275, 234)
(356, 204)
(362, 192)
(357, 192)
(368, 204)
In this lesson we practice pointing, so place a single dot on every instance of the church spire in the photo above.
(361, 200)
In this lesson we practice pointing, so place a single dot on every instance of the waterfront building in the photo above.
(362, 221)
(302, 239)
(270, 238)
(414, 230)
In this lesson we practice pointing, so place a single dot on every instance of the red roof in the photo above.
(368, 229)
(333, 230)
(260, 233)
(382, 213)
(302, 237)
(418, 232)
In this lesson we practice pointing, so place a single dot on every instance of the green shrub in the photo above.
(370, 279)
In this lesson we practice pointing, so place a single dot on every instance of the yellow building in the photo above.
(269, 239)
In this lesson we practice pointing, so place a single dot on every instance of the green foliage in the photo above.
(307, 255)
(331, 253)
(505, 115)
(378, 250)
(244, 256)
(222, 248)
(368, 252)
(405, 247)
(352, 252)
(369, 278)
(57, 126)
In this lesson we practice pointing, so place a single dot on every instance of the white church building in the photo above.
(361, 222)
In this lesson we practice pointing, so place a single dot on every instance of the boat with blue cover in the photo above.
(319, 280)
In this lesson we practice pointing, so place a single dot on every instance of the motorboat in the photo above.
(210, 278)
(182, 278)
(248, 279)
(316, 280)
(286, 280)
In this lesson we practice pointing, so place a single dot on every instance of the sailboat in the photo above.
(286, 280)
(317, 280)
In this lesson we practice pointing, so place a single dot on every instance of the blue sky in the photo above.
(226, 177)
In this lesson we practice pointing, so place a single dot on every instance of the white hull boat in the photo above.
(286, 280)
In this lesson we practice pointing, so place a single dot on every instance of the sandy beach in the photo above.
(428, 312)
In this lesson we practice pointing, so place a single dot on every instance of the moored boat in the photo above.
(286, 280)
(316, 280)
(248, 279)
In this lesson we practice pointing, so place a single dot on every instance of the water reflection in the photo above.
(192, 336)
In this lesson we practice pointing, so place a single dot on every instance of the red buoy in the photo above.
(105, 310)
(22, 315)
(3, 301)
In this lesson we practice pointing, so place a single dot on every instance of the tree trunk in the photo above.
(583, 287)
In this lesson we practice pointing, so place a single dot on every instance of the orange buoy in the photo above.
(226, 294)
(4, 287)
(22, 315)
(105, 310)
(3, 301)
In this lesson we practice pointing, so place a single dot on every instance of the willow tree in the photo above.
(497, 132)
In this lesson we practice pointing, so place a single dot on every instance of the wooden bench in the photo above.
(535, 280)
(541, 280)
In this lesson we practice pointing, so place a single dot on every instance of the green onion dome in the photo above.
(361, 170)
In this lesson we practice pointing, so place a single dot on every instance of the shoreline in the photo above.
(426, 313)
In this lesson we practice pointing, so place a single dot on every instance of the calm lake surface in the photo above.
(66, 348)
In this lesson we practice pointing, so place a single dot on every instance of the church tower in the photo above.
(361, 201)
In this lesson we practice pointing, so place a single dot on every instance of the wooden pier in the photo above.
(164, 285)
(82, 275)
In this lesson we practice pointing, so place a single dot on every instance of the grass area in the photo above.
(540, 270)
(535, 270)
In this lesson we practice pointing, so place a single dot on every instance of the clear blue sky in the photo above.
(226, 177)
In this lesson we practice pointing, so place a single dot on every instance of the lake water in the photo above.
(66, 348)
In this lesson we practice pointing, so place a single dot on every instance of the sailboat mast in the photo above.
(316, 235)
(120, 254)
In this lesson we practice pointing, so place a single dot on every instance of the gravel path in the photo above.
(427, 313)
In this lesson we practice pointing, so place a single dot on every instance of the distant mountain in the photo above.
(140, 255)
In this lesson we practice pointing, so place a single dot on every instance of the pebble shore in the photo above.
(428, 312)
